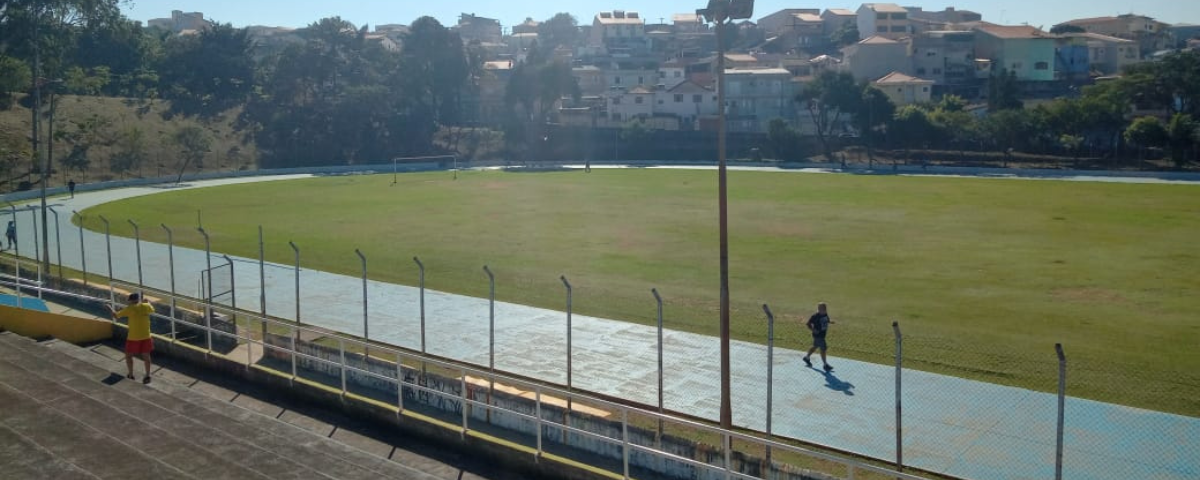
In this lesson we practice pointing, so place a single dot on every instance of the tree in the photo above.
(194, 145)
(784, 141)
(131, 152)
(1066, 28)
(1002, 91)
(874, 112)
(14, 77)
(846, 34)
(1180, 135)
(826, 98)
(911, 127)
(434, 61)
(209, 73)
(560, 30)
(1169, 83)
(1146, 132)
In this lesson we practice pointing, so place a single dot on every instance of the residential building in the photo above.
(1026, 51)
(756, 96)
(781, 21)
(875, 57)
(590, 79)
(528, 26)
(493, 83)
(688, 101)
(672, 73)
(472, 27)
(950, 15)
(1108, 55)
(948, 59)
(904, 89)
(628, 76)
(181, 21)
(835, 18)
(688, 23)
(619, 32)
(637, 102)
(884, 20)
(1151, 35)
(1071, 63)
(1183, 32)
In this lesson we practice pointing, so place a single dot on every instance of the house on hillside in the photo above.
(1026, 51)
(1108, 55)
(886, 20)
(619, 33)
(687, 101)
(756, 96)
(1151, 35)
(948, 59)
(472, 27)
(875, 57)
(833, 19)
(904, 89)
(624, 105)
(181, 21)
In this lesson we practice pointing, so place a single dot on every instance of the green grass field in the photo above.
(983, 275)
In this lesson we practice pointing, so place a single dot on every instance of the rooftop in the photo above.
(885, 7)
(840, 11)
(897, 78)
(1013, 32)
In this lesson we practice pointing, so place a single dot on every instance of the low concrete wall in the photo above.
(35, 324)
(522, 426)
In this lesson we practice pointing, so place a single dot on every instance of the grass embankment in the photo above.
(984, 275)
(114, 127)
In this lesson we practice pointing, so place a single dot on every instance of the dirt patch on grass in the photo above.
(1088, 295)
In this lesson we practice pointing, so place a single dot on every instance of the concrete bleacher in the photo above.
(68, 412)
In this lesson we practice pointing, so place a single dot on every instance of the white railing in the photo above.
(244, 336)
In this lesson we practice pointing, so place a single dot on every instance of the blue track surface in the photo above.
(30, 303)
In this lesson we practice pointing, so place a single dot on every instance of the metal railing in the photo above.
(349, 346)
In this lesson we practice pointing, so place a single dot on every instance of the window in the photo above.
(1041, 66)
(616, 100)
(900, 90)
(638, 100)
(924, 89)
(616, 80)
(697, 98)
(678, 74)
(937, 71)
(921, 71)
(1017, 65)
(899, 16)
(662, 74)
(931, 53)
(881, 16)
(641, 80)
(678, 98)
(881, 29)
(899, 28)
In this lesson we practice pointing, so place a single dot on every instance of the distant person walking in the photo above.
(138, 341)
(11, 234)
(71, 187)
(818, 324)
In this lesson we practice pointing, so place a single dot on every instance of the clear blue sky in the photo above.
(298, 13)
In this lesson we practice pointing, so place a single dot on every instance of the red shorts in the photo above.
(138, 347)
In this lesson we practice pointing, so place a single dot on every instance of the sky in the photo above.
(298, 13)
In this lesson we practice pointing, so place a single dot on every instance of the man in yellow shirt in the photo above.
(138, 341)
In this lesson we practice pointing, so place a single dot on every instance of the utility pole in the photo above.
(37, 152)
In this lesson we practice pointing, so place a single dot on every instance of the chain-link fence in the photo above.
(901, 395)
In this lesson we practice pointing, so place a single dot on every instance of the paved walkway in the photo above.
(959, 427)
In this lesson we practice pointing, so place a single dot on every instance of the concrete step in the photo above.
(22, 458)
(259, 432)
(154, 432)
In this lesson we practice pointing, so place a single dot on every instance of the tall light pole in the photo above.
(720, 13)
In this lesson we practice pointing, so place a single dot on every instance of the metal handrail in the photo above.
(462, 396)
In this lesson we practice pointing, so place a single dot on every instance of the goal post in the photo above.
(398, 160)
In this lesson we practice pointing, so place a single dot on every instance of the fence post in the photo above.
(899, 409)
(262, 280)
(57, 242)
(208, 311)
(37, 252)
(569, 292)
(658, 300)
(770, 373)
(1062, 405)
(137, 242)
(112, 298)
(366, 335)
(232, 285)
(171, 268)
(491, 338)
(421, 285)
(17, 252)
(82, 252)
(296, 251)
